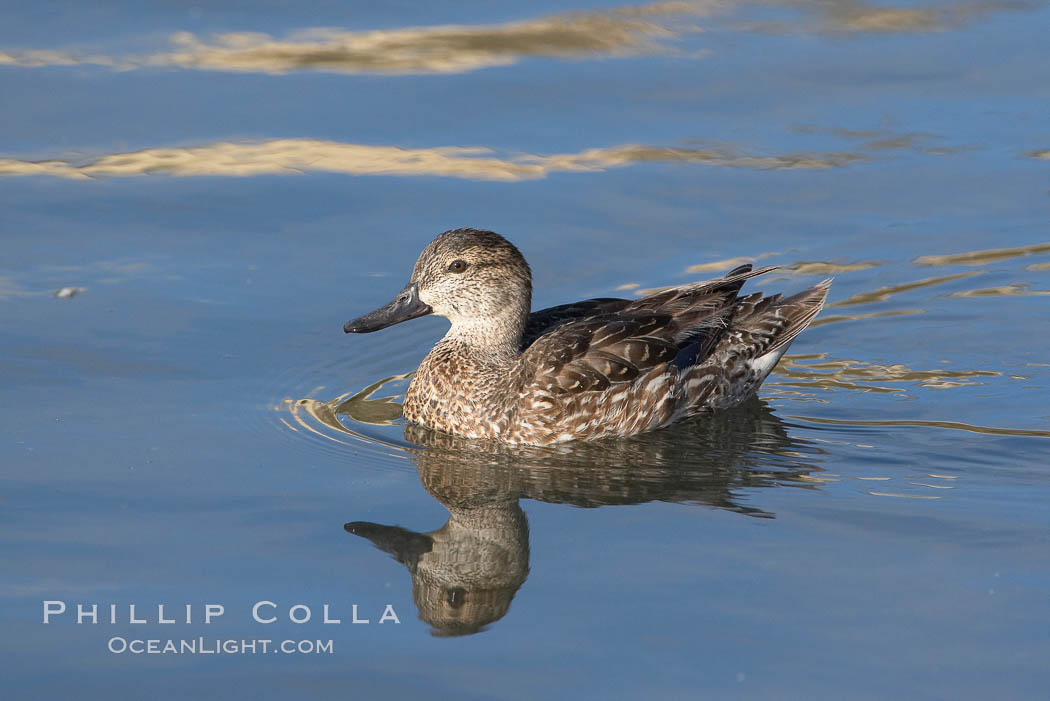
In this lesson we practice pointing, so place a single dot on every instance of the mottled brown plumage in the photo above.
(602, 367)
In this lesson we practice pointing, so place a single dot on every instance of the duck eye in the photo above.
(457, 266)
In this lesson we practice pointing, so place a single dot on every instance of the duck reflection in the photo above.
(466, 573)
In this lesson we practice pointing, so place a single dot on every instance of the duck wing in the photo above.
(619, 340)
(544, 320)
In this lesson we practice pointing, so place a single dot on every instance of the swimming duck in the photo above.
(586, 370)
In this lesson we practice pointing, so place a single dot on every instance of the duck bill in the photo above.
(406, 546)
(405, 306)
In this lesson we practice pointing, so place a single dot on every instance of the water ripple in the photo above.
(952, 425)
(983, 257)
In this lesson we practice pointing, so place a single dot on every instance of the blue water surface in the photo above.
(193, 199)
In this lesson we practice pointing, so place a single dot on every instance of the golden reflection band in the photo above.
(296, 156)
(633, 30)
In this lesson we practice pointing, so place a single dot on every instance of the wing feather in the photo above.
(591, 345)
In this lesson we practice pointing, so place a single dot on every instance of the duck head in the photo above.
(476, 279)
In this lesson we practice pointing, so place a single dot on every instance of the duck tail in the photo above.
(798, 312)
(769, 327)
(759, 333)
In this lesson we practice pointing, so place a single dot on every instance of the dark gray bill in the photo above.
(405, 545)
(404, 307)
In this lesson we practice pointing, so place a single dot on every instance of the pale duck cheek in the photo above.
(428, 298)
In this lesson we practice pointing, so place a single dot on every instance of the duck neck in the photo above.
(494, 338)
(464, 384)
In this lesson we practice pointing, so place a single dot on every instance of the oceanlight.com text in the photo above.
(217, 646)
